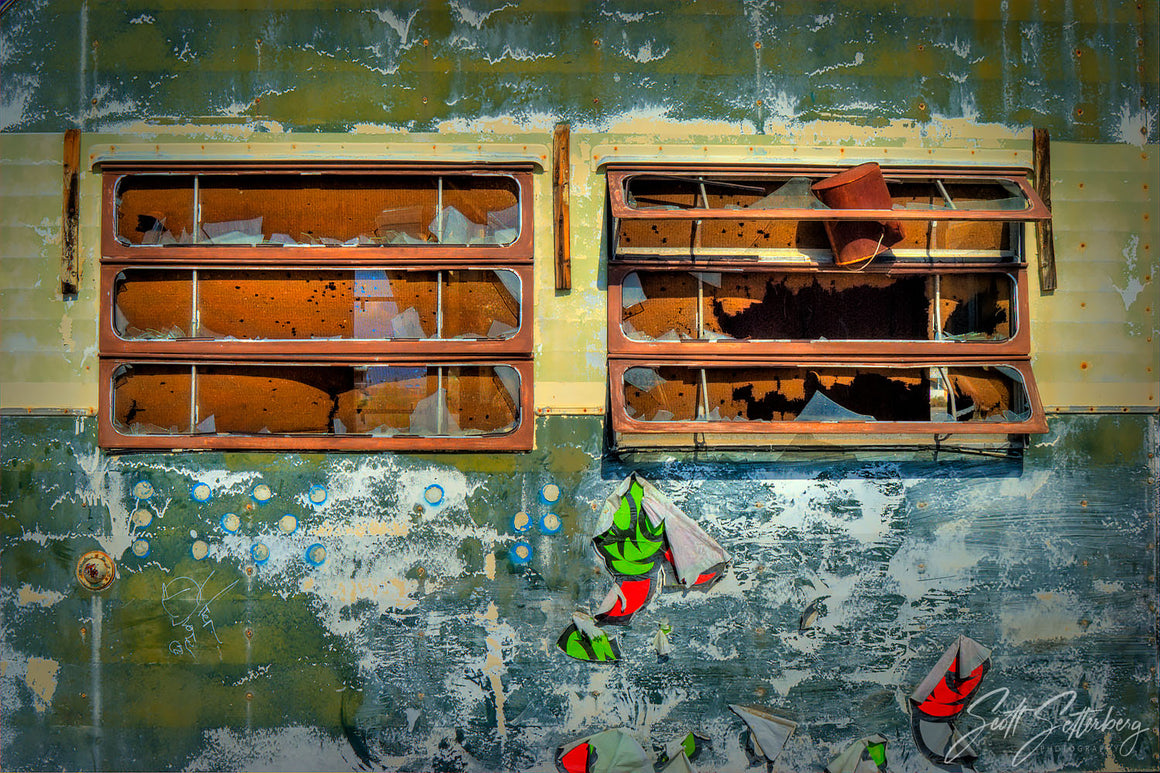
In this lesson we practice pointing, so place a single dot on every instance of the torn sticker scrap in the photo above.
(768, 732)
(940, 700)
(612, 751)
(639, 532)
(866, 755)
(584, 640)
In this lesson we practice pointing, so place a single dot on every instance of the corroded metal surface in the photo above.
(419, 644)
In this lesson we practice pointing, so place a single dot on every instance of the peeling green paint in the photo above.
(312, 67)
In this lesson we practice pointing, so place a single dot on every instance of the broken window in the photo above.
(731, 315)
(327, 307)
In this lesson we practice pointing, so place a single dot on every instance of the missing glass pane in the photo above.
(825, 393)
(155, 209)
(783, 306)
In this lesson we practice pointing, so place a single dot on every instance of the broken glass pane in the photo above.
(826, 393)
(154, 209)
(151, 304)
(152, 399)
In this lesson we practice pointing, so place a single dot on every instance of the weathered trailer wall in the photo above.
(419, 644)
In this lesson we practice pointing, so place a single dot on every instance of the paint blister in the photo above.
(521, 553)
(433, 494)
(316, 494)
(231, 522)
(521, 522)
(262, 494)
(260, 552)
(142, 489)
(201, 492)
(316, 554)
(550, 523)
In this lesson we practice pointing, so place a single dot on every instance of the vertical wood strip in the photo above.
(561, 176)
(70, 270)
(1041, 160)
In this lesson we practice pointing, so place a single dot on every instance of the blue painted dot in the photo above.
(550, 494)
(316, 554)
(141, 548)
(142, 489)
(201, 492)
(521, 522)
(521, 553)
(316, 494)
(433, 494)
(260, 553)
(231, 522)
(551, 523)
(262, 494)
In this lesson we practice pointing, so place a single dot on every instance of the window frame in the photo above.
(625, 352)
(118, 255)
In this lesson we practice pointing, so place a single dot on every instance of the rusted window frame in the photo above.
(516, 352)
(622, 422)
(520, 438)
(619, 174)
(625, 353)
(620, 345)
(286, 349)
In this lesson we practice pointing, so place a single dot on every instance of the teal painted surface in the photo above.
(404, 650)
(1087, 69)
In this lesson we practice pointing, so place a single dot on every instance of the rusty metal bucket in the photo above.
(856, 242)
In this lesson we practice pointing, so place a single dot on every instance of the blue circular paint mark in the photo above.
(433, 494)
(142, 489)
(231, 523)
(262, 494)
(201, 492)
(141, 548)
(316, 554)
(521, 553)
(316, 494)
(551, 523)
(550, 494)
(260, 553)
(521, 522)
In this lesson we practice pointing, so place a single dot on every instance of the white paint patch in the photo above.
(1132, 287)
(28, 596)
(143, 19)
(821, 21)
(645, 54)
(401, 27)
(15, 99)
(477, 18)
(519, 55)
(628, 17)
(943, 562)
(858, 59)
(290, 748)
(1135, 125)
